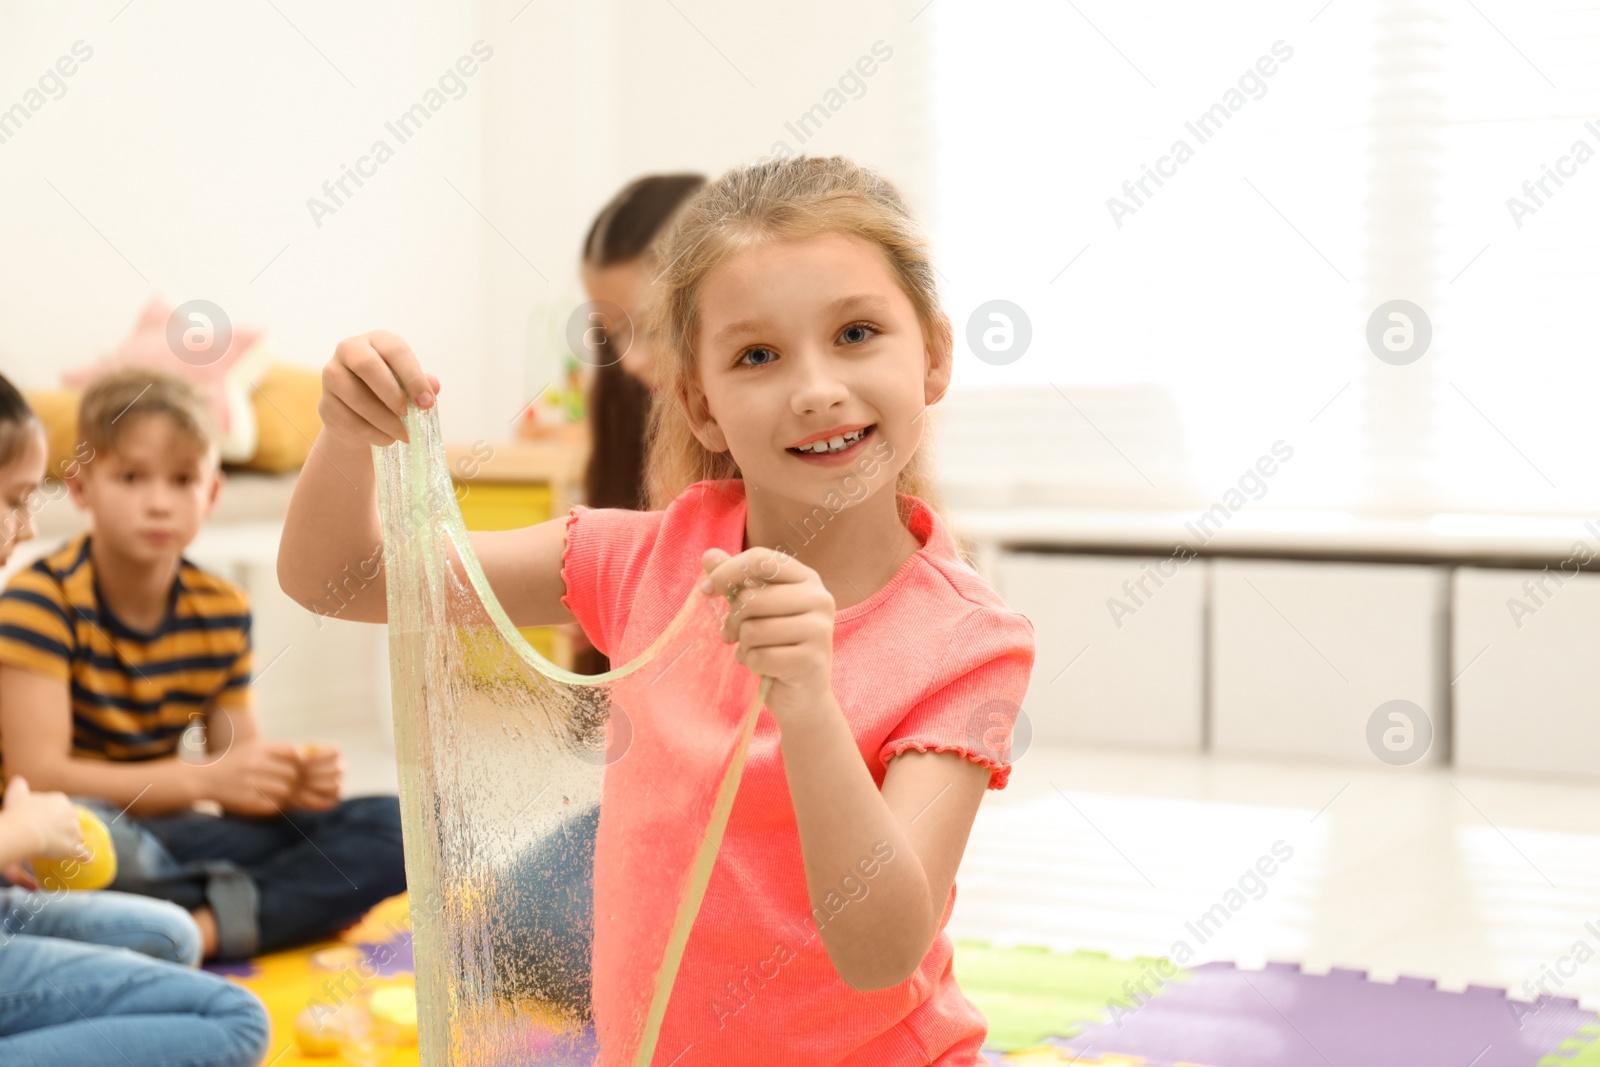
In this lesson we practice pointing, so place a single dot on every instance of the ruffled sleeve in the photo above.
(974, 712)
(601, 563)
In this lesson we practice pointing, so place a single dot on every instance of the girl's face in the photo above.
(623, 285)
(809, 340)
(19, 487)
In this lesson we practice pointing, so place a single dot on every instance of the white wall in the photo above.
(180, 158)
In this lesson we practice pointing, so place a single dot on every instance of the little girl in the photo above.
(801, 342)
(69, 990)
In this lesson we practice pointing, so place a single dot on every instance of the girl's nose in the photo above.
(817, 385)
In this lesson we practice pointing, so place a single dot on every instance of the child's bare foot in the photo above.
(207, 923)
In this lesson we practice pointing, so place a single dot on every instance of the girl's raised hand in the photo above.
(365, 387)
(782, 619)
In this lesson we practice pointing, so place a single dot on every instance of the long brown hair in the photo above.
(17, 421)
(777, 200)
(619, 404)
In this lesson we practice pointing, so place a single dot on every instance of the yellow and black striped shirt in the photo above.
(133, 694)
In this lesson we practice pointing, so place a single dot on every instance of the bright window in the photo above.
(1198, 208)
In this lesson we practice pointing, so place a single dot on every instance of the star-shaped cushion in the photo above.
(225, 378)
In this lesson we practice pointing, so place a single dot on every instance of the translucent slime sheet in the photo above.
(511, 766)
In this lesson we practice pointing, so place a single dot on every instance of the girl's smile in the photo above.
(837, 447)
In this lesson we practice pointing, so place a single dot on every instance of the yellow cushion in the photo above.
(58, 410)
(285, 402)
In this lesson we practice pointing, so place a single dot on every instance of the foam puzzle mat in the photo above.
(1049, 1008)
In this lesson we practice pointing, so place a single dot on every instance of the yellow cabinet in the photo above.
(514, 484)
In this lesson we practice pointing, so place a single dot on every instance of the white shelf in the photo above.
(1531, 539)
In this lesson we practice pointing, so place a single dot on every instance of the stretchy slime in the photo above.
(509, 766)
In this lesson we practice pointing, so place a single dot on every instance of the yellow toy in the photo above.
(394, 1008)
(97, 872)
(312, 1037)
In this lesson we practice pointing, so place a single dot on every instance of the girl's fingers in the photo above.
(774, 630)
(337, 415)
(751, 568)
(774, 661)
(373, 372)
(365, 405)
(770, 604)
(400, 362)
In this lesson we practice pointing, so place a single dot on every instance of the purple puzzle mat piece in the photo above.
(1281, 1017)
(234, 968)
(391, 956)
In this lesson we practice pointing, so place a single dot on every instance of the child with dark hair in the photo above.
(618, 264)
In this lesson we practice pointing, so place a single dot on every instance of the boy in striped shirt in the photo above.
(112, 646)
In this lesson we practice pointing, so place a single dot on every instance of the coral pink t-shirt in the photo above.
(933, 661)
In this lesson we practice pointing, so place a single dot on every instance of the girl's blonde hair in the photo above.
(778, 200)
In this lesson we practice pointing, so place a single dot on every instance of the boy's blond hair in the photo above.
(779, 200)
(117, 398)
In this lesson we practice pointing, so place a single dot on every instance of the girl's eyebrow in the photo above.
(871, 302)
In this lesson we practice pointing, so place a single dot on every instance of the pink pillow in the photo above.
(225, 378)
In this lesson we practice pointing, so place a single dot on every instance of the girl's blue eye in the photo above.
(863, 331)
(752, 352)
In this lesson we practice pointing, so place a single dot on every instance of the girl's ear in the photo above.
(941, 359)
(701, 422)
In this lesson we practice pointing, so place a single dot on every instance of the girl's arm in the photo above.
(879, 865)
(332, 535)
(877, 928)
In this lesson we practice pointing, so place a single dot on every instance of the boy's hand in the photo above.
(256, 777)
(321, 773)
(782, 617)
(49, 818)
(362, 402)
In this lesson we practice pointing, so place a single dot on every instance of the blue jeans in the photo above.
(116, 920)
(543, 934)
(271, 883)
(64, 1001)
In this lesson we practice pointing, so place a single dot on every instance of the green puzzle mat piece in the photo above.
(1580, 1050)
(1030, 993)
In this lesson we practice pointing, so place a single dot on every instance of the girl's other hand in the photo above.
(365, 387)
(49, 817)
(782, 618)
